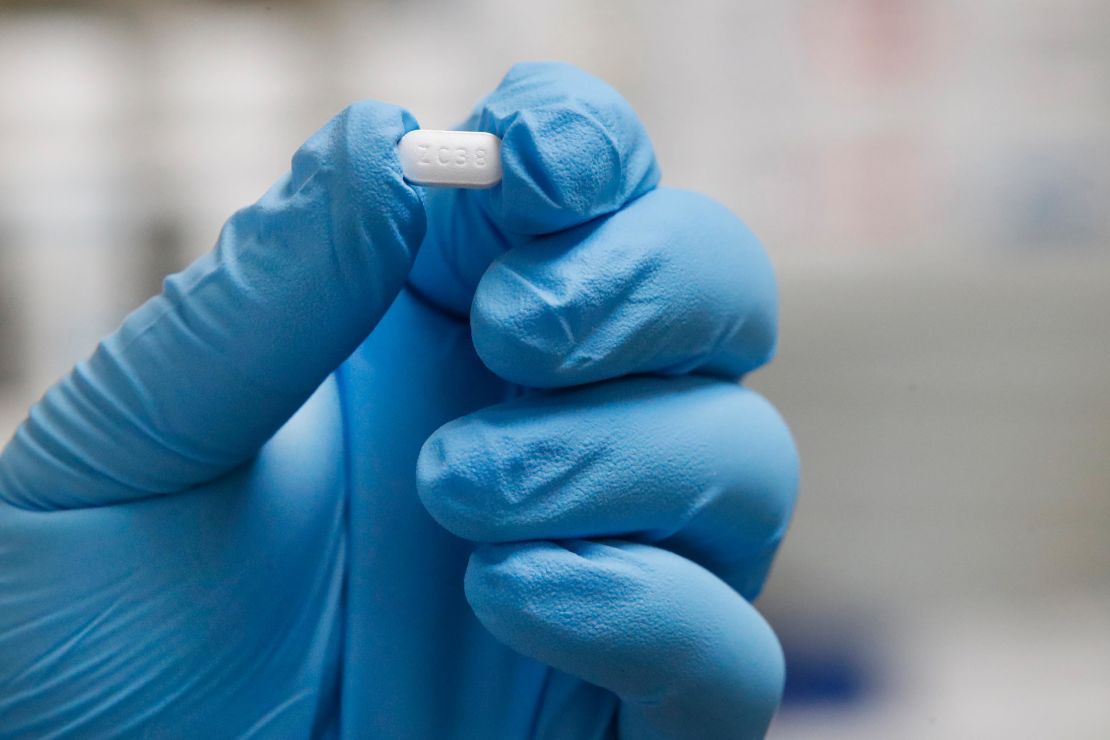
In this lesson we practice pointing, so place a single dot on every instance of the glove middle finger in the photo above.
(703, 467)
(672, 283)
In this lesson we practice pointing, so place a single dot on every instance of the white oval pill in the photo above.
(455, 159)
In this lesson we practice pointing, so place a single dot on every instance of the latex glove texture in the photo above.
(508, 488)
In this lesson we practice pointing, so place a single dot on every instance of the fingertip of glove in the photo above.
(433, 476)
(672, 283)
(494, 580)
(519, 328)
(572, 148)
(353, 162)
(453, 483)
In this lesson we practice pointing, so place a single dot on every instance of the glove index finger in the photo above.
(572, 149)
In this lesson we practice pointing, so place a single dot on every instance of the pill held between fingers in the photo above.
(454, 159)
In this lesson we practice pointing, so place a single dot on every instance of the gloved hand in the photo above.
(214, 526)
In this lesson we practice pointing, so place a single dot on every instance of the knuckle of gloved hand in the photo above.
(572, 148)
(559, 168)
(512, 575)
(529, 327)
(467, 478)
(588, 304)
(529, 591)
(671, 283)
(513, 589)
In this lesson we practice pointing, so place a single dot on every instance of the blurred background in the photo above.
(931, 177)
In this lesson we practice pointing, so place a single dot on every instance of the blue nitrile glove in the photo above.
(184, 553)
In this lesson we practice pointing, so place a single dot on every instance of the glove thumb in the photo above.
(198, 378)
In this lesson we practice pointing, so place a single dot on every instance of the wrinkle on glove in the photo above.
(199, 377)
(572, 150)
